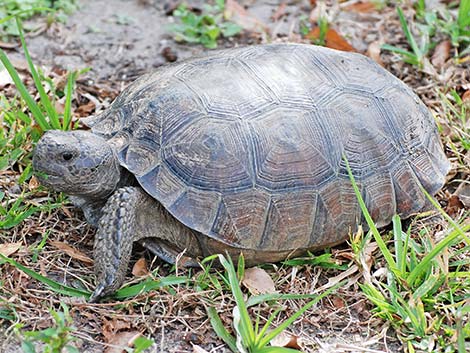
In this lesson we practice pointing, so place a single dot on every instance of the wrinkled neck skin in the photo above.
(92, 205)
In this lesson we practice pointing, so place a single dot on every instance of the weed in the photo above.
(419, 52)
(54, 339)
(57, 10)
(253, 338)
(442, 21)
(141, 344)
(44, 113)
(205, 28)
(456, 113)
(419, 295)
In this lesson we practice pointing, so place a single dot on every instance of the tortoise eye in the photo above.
(67, 156)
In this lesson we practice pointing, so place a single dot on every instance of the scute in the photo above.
(246, 145)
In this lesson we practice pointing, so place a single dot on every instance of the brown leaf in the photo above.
(313, 3)
(72, 252)
(110, 327)
(198, 349)
(86, 109)
(362, 6)
(280, 11)
(466, 98)
(140, 268)
(373, 52)
(258, 281)
(454, 205)
(338, 302)
(7, 249)
(287, 340)
(33, 183)
(441, 54)
(332, 39)
(238, 14)
(123, 340)
(5, 45)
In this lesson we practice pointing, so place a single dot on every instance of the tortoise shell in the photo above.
(246, 145)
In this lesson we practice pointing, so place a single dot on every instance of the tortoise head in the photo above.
(76, 162)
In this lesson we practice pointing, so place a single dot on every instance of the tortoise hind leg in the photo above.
(167, 253)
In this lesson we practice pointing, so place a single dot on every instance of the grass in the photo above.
(418, 52)
(433, 24)
(205, 28)
(56, 10)
(250, 337)
(421, 284)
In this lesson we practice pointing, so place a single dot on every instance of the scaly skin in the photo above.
(114, 238)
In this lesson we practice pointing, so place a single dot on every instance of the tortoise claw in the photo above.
(97, 294)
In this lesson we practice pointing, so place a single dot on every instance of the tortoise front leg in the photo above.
(114, 238)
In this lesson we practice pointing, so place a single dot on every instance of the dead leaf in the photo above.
(72, 252)
(441, 54)
(454, 204)
(313, 3)
(238, 14)
(286, 340)
(9, 248)
(5, 45)
(338, 302)
(333, 39)
(280, 11)
(362, 6)
(198, 349)
(86, 109)
(110, 327)
(33, 183)
(123, 340)
(466, 98)
(140, 268)
(373, 52)
(258, 281)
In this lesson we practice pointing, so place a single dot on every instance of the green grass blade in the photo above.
(55, 286)
(264, 329)
(220, 330)
(382, 246)
(46, 102)
(148, 285)
(408, 35)
(463, 17)
(33, 107)
(68, 101)
(246, 327)
(266, 339)
(262, 298)
(274, 349)
(400, 250)
(445, 215)
(21, 12)
(424, 264)
(400, 51)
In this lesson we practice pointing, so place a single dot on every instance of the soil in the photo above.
(122, 39)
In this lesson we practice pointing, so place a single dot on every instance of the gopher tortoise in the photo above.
(242, 151)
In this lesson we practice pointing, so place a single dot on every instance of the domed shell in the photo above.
(246, 145)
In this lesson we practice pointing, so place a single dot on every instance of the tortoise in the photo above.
(242, 151)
